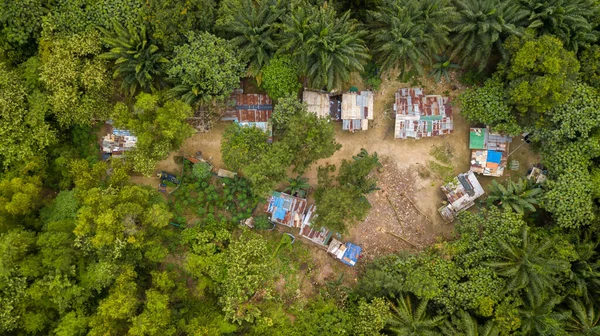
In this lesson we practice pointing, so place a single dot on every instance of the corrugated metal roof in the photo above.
(320, 237)
(419, 115)
(489, 151)
(286, 209)
(461, 193)
(477, 138)
(249, 108)
(354, 124)
(357, 106)
(118, 141)
(318, 102)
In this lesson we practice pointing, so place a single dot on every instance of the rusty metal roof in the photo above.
(419, 115)
(249, 107)
(461, 194)
(320, 237)
(286, 209)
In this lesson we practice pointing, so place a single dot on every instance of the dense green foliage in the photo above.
(205, 68)
(253, 26)
(309, 137)
(170, 20)
(341, 200)
(160, 128)
(407, 34)
(487, 105)
(84, 251)
(137, 61)
(571, 21)
(280, 77)
(77, 81)
(521, 196)
(328, 47)
(481, 27)
(23, 129)
(303, 139)
(541, 74)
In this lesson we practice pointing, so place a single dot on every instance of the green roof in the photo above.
(430, 120)
(477, 141)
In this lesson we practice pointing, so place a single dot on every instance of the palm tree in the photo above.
(137, 61)
(584, 319)
(327, 47)
(253, 27)
(297, 185)
(442, 67)
(569, 20)
(528, 265)
(586, 271)
(481, 26)
(538, 316)
(464, 324)
(407, 320)
(520, 196)
(406, 34)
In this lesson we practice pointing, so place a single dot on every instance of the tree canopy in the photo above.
(159, 128)
(327, 47)
(205, 68)
(541, 74)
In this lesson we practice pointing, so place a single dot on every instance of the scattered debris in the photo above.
(461, 193)
(537, 173)
(118, 141)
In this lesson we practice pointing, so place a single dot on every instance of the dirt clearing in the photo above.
(404, 212)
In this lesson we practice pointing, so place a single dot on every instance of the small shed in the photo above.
(348, 253)
(117, 142)
(226, 173)
(489, 151)
(286, 209)
(419, 115)
(318, 102)
(537, 174)
(251, 109)
(319, 237)
(461, 194)
(357, 110)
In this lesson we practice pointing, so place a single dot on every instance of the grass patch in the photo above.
(441, 171)
(443, 153)
(441, 167)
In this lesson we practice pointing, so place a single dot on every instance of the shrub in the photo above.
(262, 222)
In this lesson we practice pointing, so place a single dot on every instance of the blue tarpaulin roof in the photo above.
(494, 156)
(280, 214)
(351, 255)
